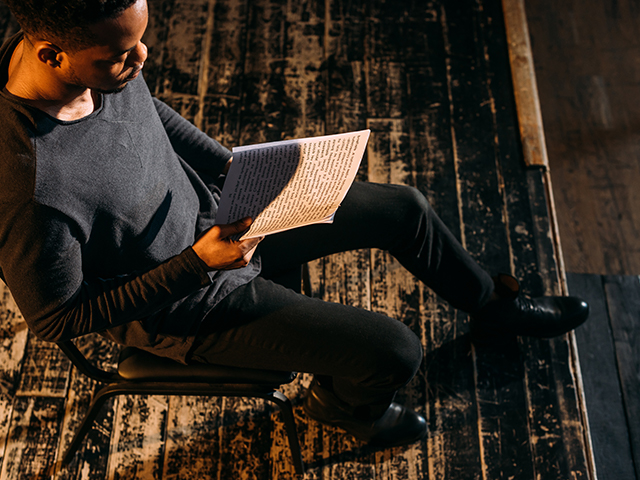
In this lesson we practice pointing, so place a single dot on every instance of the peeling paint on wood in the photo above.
(34, 436)
(138, 441)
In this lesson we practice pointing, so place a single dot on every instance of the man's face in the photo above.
(118, 56)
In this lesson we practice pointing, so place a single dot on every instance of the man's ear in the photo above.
(48, 53)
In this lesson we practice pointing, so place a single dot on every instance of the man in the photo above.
(106, 225)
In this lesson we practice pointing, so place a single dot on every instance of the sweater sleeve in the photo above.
(196, 148)
(42, 265)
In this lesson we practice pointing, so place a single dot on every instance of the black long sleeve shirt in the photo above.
(98, 215)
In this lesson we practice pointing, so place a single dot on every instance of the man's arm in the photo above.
(42, 264)
(195, 147)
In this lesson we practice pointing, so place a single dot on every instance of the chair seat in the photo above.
(135, 364)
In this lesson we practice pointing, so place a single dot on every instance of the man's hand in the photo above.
(219, 252)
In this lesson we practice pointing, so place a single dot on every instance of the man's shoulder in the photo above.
(17, 152)
(18, 127)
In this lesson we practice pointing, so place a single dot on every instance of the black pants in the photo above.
(368, 355)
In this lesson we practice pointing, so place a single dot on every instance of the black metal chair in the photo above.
(140, 372)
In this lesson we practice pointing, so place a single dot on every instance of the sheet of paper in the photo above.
(292, 183)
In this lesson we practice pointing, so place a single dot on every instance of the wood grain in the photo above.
(92, 459)
(525, 86)
(533, 246)
(624, 309)
(34, 437)
(602, 389)
(586, 68)
(499, 392)
(138, 441)
(13, 331)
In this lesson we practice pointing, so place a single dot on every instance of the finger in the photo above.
(236, 227)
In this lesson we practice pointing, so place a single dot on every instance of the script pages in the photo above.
(292, 183)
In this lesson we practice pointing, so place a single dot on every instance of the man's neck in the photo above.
(28, 83)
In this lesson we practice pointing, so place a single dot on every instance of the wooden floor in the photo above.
(586, 59)
(430, 79)
(609, 351)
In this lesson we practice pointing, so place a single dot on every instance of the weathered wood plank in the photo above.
(13, 332)
(192, 443)
(556, 419)
(6, 411)
(525, 86)
(138, 440)
(30, 366)
(304, 71)
(399, 154)
(265, 107)
(623, 300)
(311, 55)
(394, 291)
(557, 441)
(601, 380)
(585, 59)
(155, 38)
(176, 61)
(245, 439)
(499, 374)
(34, 437)
(454, 446)
(473, 127)
(304, 85)
(195, 435)
(45, 371)
(92, 459)
(344, 277)
(344, 45)
(280, 453)
(220, 107)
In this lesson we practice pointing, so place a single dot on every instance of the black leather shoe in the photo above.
(396, 427)
(514, 315)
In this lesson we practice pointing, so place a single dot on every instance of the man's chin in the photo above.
(112, 90)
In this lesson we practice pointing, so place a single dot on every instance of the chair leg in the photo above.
(99, 398)
(290, 427)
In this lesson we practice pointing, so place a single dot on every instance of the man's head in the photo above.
(64, 22)
(92, 44)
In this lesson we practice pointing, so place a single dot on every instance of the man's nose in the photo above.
(137, 55)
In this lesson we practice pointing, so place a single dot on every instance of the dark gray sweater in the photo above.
(98, 215)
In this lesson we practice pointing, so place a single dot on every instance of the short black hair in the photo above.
(64, 22)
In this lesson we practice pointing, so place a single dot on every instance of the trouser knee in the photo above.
(396, 361)
(400, 363)
(388, 361)
(409, 217)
